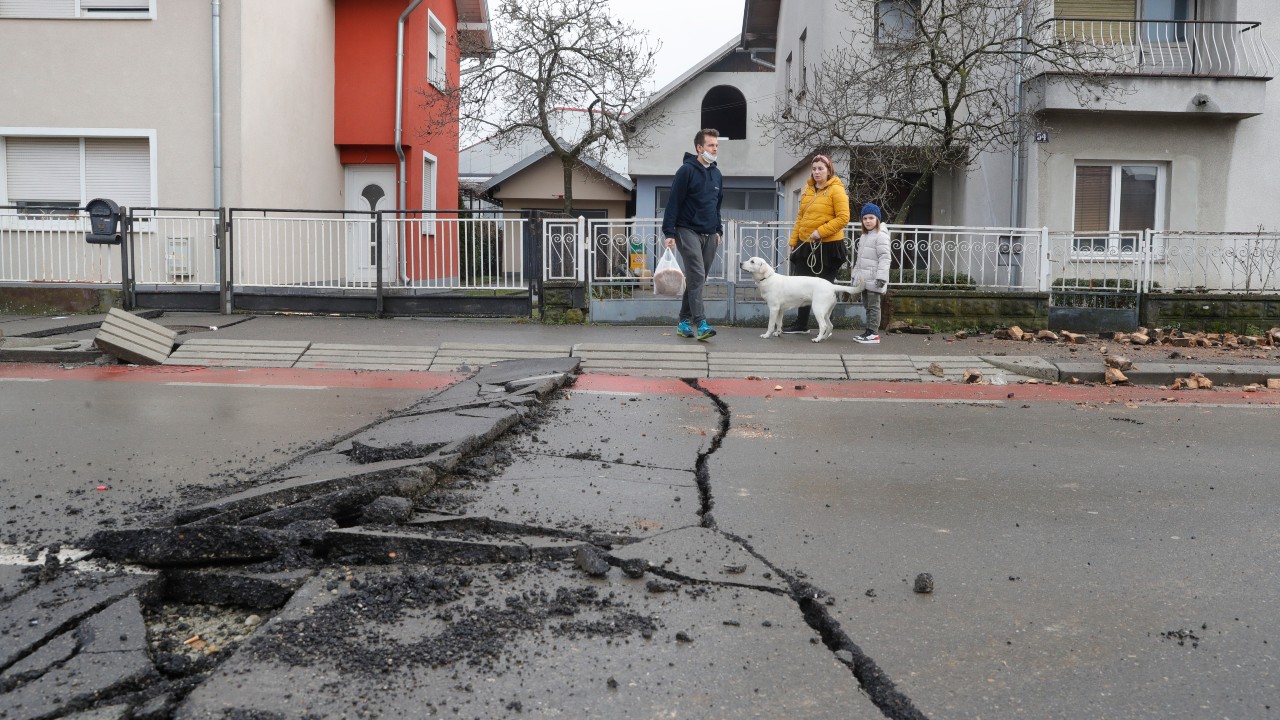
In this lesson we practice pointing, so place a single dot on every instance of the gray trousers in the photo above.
(871, 301)
(698, 250)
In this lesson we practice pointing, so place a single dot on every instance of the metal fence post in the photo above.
(229, 259)
(128, 300)
(377, 262)
(729, 243)
(1046, 266)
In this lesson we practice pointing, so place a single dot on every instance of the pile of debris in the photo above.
(1143, 336)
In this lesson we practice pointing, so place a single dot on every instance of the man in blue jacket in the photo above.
(692, 221)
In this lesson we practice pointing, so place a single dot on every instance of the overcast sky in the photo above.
(688, 29)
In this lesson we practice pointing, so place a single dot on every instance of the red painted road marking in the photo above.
(297, 377)
(918, 391)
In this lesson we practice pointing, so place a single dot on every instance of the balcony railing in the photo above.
(1170, 47)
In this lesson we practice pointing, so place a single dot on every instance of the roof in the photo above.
(532, 158)
(657, 98)
(473, 26)
(760, 24)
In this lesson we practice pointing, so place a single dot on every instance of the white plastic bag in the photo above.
(668, 278)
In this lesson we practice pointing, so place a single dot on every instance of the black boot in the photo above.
(801, 324)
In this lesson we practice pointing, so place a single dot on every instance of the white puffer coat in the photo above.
(872, 263)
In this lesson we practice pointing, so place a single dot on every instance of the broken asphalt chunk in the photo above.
(924, 583)
(591, 561)
(258, 591)
(190, 545)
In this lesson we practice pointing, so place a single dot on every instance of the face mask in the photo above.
(708, 157)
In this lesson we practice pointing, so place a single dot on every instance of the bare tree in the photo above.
(918, 87)
(552, 59)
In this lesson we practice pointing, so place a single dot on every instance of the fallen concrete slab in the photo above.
(133, 339)
(25, 350)
(42, 612)
(190, 545)
(109, 651)
(344, 504)
(1032, 366)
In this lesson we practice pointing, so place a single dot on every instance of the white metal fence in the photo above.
(1214, 262)
(51, 248)
(175, 248)
(1168, 47)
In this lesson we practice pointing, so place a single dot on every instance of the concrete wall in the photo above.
(284, 144)
(152, 75)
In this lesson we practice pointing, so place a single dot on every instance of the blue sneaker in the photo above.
(705, 331)
(684, 329)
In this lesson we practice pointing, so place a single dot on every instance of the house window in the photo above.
(94, 9)
(896, 20)
(1114, 202)
(49, 175)
(429, 177)
(435, 51)
(724, 108)
(804, 75)
(789, 86)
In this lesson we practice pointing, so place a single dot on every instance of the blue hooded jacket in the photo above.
(694, 203)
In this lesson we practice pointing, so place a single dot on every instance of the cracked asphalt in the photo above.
(644, 548)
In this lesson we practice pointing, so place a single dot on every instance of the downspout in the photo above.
(220, 248)
(217, 103)
(762, 63)
(401, 180)
(1015, 204)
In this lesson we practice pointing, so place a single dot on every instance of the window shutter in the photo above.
(37, 8)
(43, 168)
(428, 184)
(116, 5)
(118, 169)
(1093, 198)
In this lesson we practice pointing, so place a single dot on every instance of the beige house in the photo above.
(536, 182)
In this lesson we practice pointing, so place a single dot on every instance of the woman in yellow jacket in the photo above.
(817, 241)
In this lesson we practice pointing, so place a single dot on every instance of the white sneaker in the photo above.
(867, 338)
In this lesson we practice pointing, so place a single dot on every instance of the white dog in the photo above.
(784, 292)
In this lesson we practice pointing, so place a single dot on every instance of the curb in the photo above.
(1166, 373)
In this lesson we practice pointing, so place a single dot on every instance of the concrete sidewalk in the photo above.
(451, 345)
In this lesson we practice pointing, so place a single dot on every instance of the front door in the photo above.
(370, 188)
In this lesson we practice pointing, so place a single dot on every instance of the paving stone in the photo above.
(189, 545)
(112, 653)
(133, 339)
(216, 352)
(881, 367)
(778, 365)
(51, 608)
(453, 356)
(367, 357)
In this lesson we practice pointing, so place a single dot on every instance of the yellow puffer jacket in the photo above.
(825, 210)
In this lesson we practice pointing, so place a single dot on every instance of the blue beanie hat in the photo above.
(873, 209)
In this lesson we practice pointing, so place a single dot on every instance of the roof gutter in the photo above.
(401, 180)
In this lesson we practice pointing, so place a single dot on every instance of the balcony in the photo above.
(1212, 68)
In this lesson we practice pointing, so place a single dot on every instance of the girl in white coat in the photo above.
(871, 269)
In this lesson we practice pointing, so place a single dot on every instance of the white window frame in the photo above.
(1162, 190)
(804, 72)
(437, 47)
(429, 219)
(8, 217)
(86, 13)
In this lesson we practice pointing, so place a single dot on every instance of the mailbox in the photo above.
(104, 222)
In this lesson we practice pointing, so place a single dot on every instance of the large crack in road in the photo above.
(882, 690)
(353, 559)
